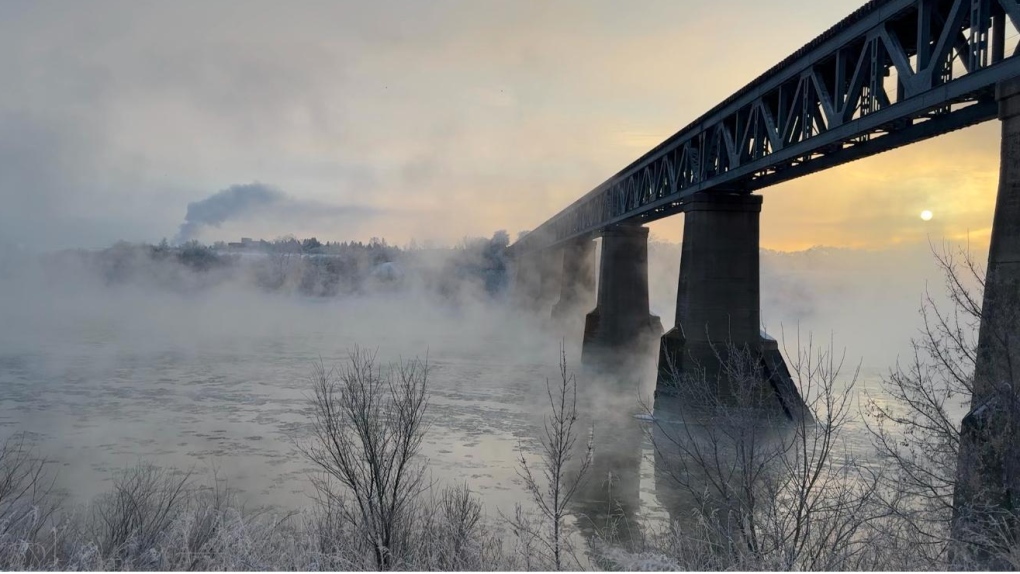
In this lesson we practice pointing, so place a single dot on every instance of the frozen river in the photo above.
(220, 382)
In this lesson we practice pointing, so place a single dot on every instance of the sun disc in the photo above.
(926, 215)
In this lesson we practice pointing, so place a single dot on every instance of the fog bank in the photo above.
(867, 300)
(108, 358)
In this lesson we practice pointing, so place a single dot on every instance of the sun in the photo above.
(926, 215)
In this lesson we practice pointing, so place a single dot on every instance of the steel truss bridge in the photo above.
(892, 73)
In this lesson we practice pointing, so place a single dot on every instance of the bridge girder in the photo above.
(892, 73)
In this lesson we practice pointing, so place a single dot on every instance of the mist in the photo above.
(113, 357)
(866, 301)
(200, 358)
(80, 335)
(201, 202)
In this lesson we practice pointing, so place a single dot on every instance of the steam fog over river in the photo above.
(106, 377)
(221, 381)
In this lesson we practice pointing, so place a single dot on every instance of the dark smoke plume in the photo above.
(246, 199)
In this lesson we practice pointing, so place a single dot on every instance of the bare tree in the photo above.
(27, 504)
(129, 524)
(368, 429)
(451, 533)
(158, 519)
(919, 430)
(560, 477)
(461, 515)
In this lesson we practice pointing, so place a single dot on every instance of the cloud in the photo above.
(245, 200)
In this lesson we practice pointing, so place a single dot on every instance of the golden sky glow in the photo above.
(448, 118)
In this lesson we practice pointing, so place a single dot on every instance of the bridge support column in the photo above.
(577, 281)
(621, 323)
(536, 277)
(987, 495)
(718, 311)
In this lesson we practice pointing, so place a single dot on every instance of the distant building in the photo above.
(246, 243)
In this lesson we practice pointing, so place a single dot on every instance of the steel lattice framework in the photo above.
(892, 73)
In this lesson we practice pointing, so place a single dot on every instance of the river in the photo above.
(219, 382)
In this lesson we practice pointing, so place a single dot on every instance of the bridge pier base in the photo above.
(987, 493)
(621, 324)
(718, 312)
(577, 280)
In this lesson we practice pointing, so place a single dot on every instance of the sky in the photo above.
(409, 120)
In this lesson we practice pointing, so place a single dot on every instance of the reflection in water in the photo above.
(748, 487)
(724, 481)
(615, 389)
(609, 501)
(707, 461)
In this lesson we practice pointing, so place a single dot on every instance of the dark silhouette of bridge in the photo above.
(892, 73)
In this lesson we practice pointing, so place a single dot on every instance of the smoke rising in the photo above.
(244, 200)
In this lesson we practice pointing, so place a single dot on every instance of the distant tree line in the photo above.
(306, 266)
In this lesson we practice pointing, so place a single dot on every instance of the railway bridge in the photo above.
(892, 73)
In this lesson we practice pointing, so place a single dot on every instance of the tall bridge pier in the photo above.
(718, 310)
(987, 492)
(577, 280)
(536, 278)
(995, 365)
(621, 322)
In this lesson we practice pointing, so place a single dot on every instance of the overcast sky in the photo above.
(411, 119)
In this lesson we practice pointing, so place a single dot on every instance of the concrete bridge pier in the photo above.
(577, 280)
(550, 272)
(987, 495)
(536, 279)
(718, 312)
(621, 324)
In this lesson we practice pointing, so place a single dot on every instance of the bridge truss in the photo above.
(892, 73)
